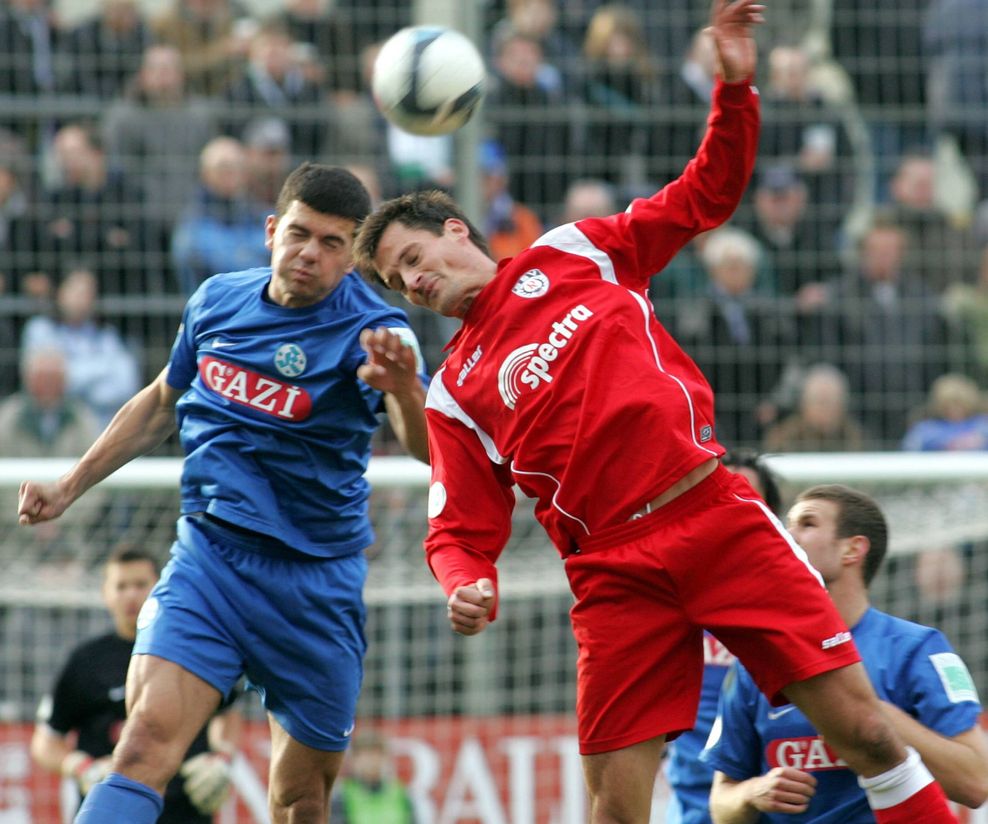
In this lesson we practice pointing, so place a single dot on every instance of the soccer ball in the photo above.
(428, 79)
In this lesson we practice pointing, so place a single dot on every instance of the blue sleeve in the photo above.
(941, 692)
(735, 748)
(182, 364)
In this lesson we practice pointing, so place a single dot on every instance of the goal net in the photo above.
(481, 728)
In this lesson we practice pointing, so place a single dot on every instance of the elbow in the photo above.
(972, 792)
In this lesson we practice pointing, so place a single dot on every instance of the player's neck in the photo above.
(851, 600)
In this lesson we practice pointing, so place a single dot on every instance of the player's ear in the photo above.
(456, 227)
(270, 225)
(856, 550)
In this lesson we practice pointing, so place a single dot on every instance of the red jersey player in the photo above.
(562, 381)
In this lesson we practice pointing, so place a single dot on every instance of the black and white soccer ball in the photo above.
(428, 79)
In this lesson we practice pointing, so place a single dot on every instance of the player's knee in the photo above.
(298, 808)
(147, 750)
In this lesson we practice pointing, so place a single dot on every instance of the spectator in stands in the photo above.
(529, 122)
(798, 250)
(588, 197)
(955, 34)
(213, 37)
(42, 421)
(268, 145)
(822, 422)
(966, 307)
(28, 36)
(955, 419)
(509, 226)
(559, 53)
(939, 252)
(220, 230)
(275, 83)
(105, 51)
(156, 131)
(802, 129)
(89, 210)
(882, 325)
(742, 342)
(321, 25)
(369, 792)
(622, 89)
(688, 94)
(881, 48)
(17, 246)
(28, 64)
(101, 370)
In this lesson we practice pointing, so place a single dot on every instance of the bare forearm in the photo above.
(139, 426)
(729, 804)
(48, 750)
(959, 764)
(406, 412)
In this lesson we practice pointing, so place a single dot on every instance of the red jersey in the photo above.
(562, 381)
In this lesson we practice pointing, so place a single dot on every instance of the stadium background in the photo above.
(855, 261)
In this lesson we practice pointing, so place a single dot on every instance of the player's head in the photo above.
(749, 463)
(331, 190)
(839, 527)
(128, 576)
(311, 233)
(424, 246)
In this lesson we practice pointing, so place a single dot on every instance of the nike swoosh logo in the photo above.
(117, 693)
(774, 714)
(348, 731)
(219, 343)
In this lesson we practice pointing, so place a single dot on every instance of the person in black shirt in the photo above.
(79, 724)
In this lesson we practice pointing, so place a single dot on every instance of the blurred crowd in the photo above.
(141, 147)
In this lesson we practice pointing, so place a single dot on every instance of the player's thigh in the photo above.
(620, 782)
(845, 710)
(167, 706)
(300, 774)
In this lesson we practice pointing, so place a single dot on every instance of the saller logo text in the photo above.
(530, 365)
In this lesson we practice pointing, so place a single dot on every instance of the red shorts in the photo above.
(714, 558)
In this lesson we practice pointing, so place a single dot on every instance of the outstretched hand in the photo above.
(731, 23)
(391, 362)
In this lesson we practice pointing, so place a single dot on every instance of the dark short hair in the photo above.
(857, 514)
(750, 459)
(331, 190)
(428, 210)
(131, 553)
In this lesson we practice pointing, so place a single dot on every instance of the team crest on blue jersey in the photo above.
(290, 360)
(533, 284)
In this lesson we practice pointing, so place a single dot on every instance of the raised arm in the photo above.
(139, 426)
(392, 368)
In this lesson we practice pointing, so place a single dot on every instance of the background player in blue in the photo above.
(771, 763)
(277, 376)
(688, 776)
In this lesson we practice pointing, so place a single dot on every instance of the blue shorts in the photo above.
(228, 604)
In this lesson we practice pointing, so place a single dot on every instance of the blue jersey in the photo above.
(688, 776)
(909, 665)
(275, 424)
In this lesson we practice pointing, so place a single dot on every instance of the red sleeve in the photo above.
(470, 504)
(642, 240)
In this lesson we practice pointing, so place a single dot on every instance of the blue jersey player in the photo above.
(688, 776)
(772, 765)
(276, 379)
